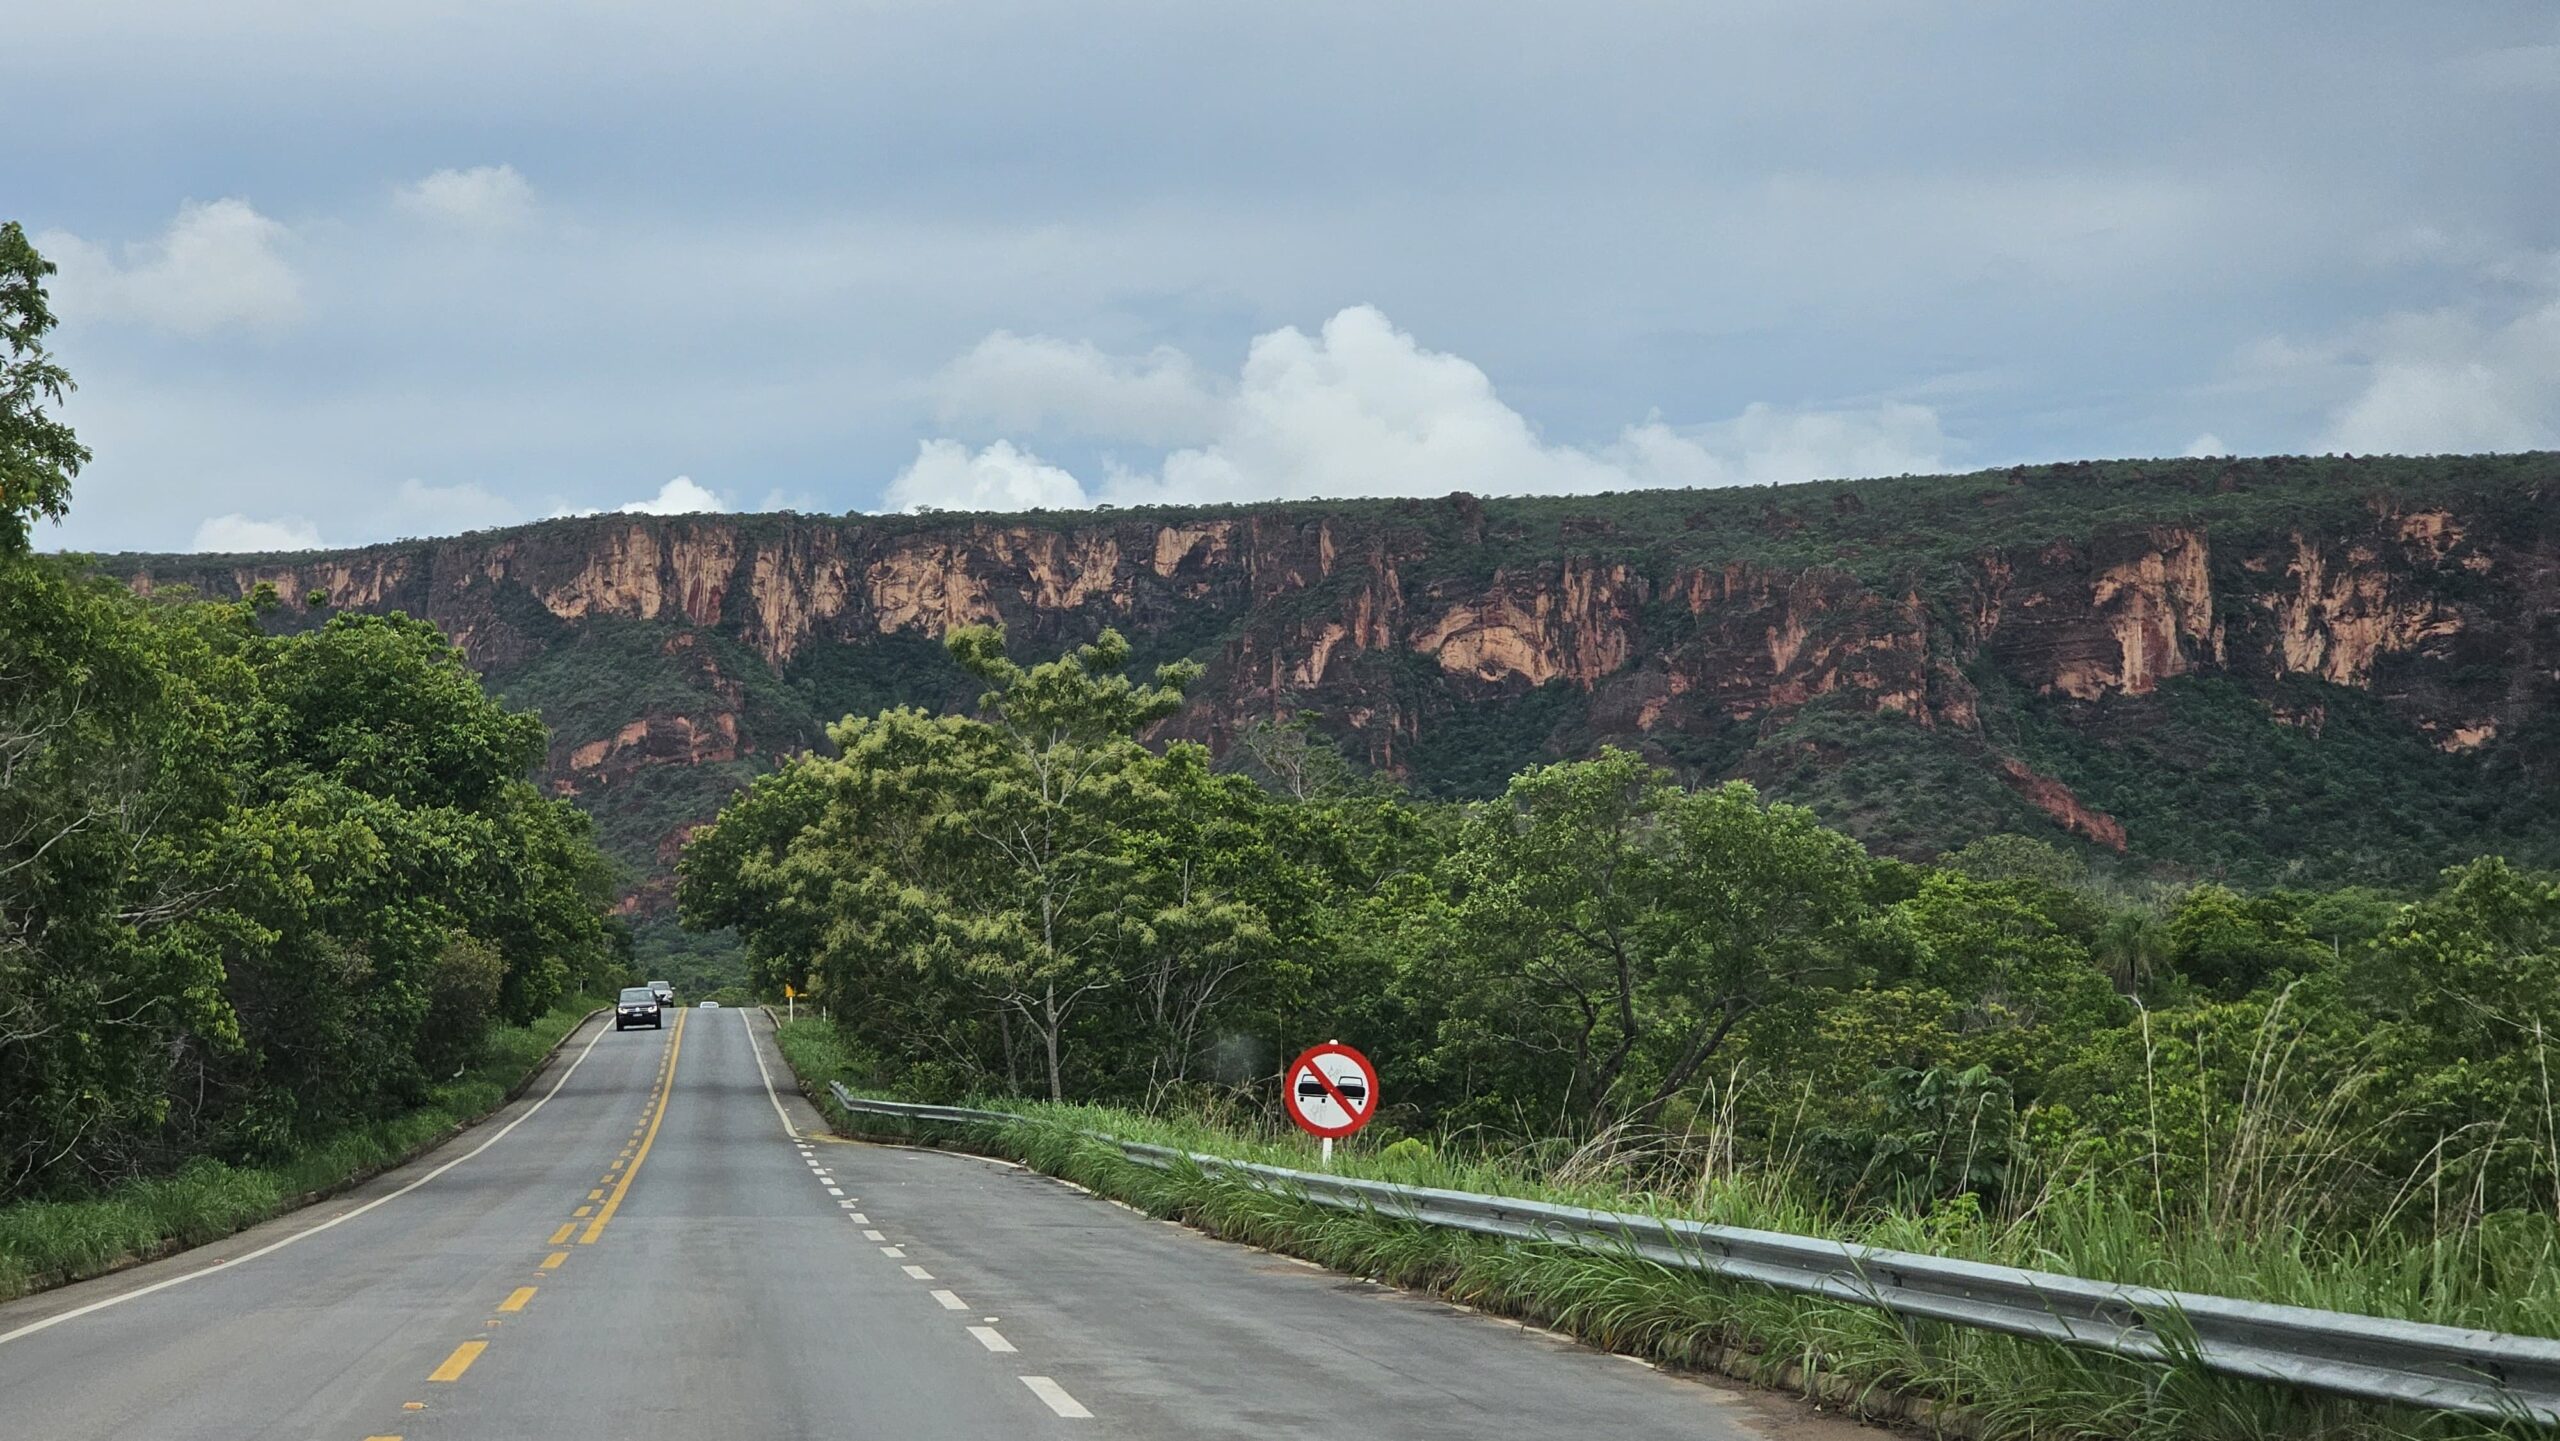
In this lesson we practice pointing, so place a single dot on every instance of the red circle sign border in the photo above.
(1289, 1092)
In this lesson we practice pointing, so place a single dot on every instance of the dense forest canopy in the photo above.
(254, 887)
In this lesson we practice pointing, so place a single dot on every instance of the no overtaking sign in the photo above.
(1331, 1091)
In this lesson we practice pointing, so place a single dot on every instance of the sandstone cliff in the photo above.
(1696, 626)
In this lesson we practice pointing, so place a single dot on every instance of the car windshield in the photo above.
(639, 996)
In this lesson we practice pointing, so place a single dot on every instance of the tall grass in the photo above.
(53, 1243)
(2497, 1276)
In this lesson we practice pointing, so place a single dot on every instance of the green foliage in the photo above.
(1618, 928)
(255, 889)
(2203, 777)
(39, 455)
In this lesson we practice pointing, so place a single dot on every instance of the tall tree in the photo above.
(1045, 929)
(1629, 926)
(39, 455)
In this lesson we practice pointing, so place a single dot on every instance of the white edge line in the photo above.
(1057, 1398)
(272, 1247)
(746, 1018)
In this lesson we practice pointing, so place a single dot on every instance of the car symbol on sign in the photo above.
(1352, 1089)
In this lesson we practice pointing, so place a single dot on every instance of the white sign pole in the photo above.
(1327, 1152)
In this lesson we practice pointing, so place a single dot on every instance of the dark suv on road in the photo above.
(638, 1007)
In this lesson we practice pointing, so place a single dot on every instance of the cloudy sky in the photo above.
(342, 273)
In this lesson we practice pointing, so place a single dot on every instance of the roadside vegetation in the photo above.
(274, 907)
(1610, 986)
(1948, 1379)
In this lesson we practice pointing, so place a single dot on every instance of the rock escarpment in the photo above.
(1691, 625)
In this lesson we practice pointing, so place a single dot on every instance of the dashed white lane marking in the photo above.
(849, 1203)
(1057, 1398)
(835, 1190)
(272, 1247)
(917, 1273)
(873, 1236)
(950, 1302)
(992, 1339)
(894, 1253)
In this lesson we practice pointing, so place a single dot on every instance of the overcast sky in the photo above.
(334, 274)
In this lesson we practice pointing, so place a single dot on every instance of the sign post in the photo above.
(1330, 1091)
(790, 1002)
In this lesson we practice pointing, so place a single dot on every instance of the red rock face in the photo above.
(1382, 623)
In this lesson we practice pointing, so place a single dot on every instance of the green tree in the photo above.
(39, 455)
(1625, 926)
(2229, 945)
(1043, 927)
(2020, 983)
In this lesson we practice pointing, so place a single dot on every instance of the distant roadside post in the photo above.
(790, 999)
(1331, 1090)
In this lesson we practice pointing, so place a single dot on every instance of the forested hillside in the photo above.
(260, 887)
(2308, 671)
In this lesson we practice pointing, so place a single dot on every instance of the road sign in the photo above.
(787, 992)
(1330, 1091)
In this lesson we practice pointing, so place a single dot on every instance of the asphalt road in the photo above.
(653, 1243)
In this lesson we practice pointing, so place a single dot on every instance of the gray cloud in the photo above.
(1810, 234)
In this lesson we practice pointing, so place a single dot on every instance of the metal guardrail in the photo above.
(2410, 1363)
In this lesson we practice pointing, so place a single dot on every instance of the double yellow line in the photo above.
(657, 1113)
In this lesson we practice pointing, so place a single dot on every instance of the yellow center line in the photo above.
(561, 1236)
(516, 1299)
(613, 1203)
(552, 1261)
(596, 1195)
(459, 1362)
(581, 1212)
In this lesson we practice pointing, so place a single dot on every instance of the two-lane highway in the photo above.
(655, 1242)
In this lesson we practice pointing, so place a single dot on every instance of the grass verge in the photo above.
(1946, 1380)
(44, 1244)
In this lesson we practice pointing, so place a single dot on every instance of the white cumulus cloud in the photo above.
(946, 475)
(220, 264)
(484, 197)
(680, 496)
(236, 534)
(1359, 408)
